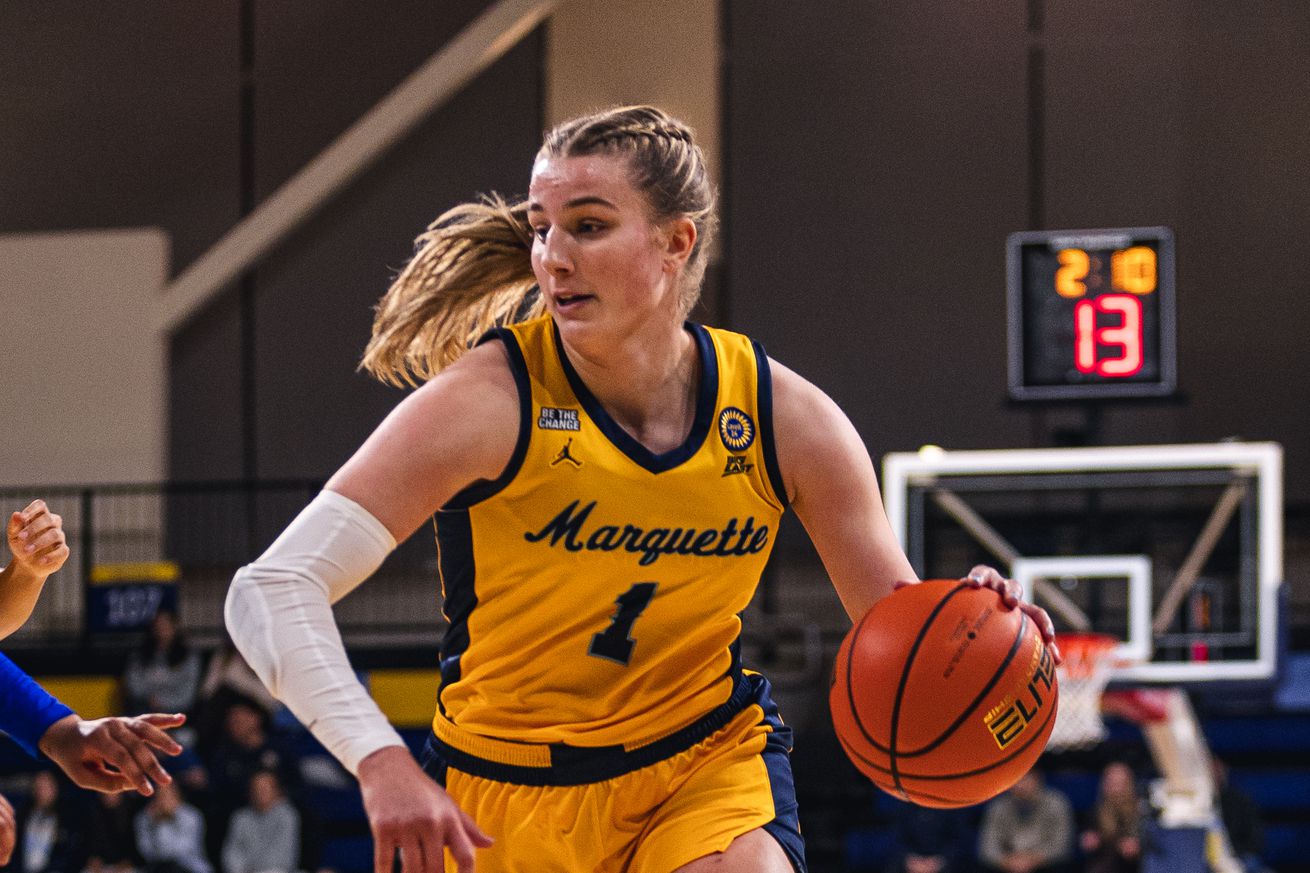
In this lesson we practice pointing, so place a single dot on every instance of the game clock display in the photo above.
(1091, 314)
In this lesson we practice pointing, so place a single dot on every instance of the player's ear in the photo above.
(678, 240)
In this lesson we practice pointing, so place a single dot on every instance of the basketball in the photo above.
(942, 696)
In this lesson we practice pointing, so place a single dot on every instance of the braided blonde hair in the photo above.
(473, 266)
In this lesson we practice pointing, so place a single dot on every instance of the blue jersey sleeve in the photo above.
(26, 709)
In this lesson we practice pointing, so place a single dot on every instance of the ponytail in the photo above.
(472, 271)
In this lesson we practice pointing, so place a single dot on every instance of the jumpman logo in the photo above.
(564, 455)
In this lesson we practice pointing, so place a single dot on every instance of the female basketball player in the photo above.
(607, 480)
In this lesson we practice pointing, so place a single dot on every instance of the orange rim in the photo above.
(1084, 652)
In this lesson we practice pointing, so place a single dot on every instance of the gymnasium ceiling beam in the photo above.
(473, 50)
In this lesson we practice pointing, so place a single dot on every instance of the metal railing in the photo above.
(209, 530)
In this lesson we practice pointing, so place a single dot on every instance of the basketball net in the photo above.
(1083, 676)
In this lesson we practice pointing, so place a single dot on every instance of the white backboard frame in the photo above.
(1263, 461)
(1135, 568)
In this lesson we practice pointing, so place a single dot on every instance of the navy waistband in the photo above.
(579, 765)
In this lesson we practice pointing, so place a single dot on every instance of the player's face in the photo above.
(263, 791)
(1117, 781)
(45, 790)
(602, 263)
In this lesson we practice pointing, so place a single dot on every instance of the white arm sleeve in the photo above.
(279, 613)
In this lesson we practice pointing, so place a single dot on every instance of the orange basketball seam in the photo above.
(905, 678)
(946, 734)
(996, 677)
(944, 776)
(870, 657)
(850, 686)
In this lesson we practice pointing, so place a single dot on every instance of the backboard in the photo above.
(1175, 550)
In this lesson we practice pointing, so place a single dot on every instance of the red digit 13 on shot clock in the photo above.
(1091, 314)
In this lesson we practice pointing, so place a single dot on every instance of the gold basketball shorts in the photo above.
(652, 809)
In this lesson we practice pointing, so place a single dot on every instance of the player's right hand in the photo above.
(8, 831)
(112, 754)
(409, 812)
(36, 539)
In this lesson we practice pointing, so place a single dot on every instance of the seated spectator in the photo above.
(170, 834)
(48, 837)
(1028, 829)
(1241, 818)
(1113, 843)
(110, 842)
(188, 770)
(263, 837)
(244, 749)
(163, 674)
(932, 840)
(228, 680)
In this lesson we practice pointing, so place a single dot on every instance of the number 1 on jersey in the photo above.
(614, 643)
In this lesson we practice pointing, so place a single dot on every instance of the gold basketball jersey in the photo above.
(594, 590)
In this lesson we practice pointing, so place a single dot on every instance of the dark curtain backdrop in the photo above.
(876, 157)
(881, 152)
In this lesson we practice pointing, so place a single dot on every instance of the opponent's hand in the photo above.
(36, 539)
(408, 811)
(112, 754)
(8, 831)
(1011, 593)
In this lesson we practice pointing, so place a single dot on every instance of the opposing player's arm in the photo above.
(832, 486)
(37, 543)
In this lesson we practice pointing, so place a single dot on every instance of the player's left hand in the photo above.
(1011, 593)
(36, 539)
(112, 754)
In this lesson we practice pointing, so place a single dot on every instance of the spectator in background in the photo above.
(1113, 843)
(170, 834)
(1241, 818)
(48, 840)
(228, 680)
(110, 841)
(932, 840)
(163, 674)
(1028, 829)
(244, 749)
(188, 770)
(263, 837)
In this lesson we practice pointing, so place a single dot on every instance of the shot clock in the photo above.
(1091, 313)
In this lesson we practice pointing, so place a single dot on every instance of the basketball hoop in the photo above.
(1083, 677)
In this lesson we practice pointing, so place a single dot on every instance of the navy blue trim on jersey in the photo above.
(786, 826)
(458, 575)
(764, 406)
(581, 765)
(707, 394)
(485, 488)
(26, 709)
